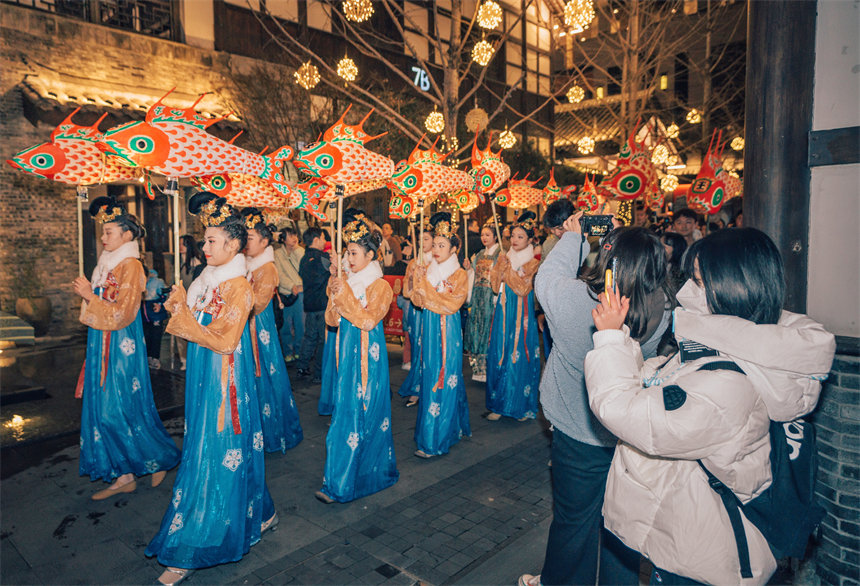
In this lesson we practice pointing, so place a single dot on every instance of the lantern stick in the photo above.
(172, 186)
(81, 196)
(421, 205)
(466, 236)
(338, 190)
(496, 223)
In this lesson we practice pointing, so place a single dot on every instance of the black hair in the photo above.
(232, 223)
(287, 230)
(127, 222)
(686, 213)
(742, 274)
(438, 217)
(641, 263)
(524, 217)
(372, 240)
(192, 251)
(557, 212)
(678, 244)
(310, 234)
(264, 229)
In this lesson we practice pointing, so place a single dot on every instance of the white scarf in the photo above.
(520, 257)
(109, 260)
(360, 281)
(428, 256)
(254, 263)
(438, 272)
(491, 250)
(201, 289)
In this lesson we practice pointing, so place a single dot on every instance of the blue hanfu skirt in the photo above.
(412, 323)
(329, 372)
(359, 445)
(220, 499)
(281, 427)
(121, 431)
(513, 358)
(443, 409)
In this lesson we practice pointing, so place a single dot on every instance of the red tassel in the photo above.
(234, 407)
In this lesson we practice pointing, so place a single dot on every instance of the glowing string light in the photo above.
(357, 10)
(307, 76)
(489, 15)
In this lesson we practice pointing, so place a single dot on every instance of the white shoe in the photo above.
(479, 378)
(529, 580)
(406, 366)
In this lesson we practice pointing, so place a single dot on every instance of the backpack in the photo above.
(787, 512)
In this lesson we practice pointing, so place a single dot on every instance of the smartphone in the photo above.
(610, 283)
(596, 225)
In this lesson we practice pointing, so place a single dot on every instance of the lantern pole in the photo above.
(466, 236)
(496, 223)
(421, 206)
(81, 197)
(172, 189)
(338, 190)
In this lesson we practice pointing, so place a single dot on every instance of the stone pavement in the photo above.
(478, 515)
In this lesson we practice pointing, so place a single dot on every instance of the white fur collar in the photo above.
(109, 260)
(491, 250)
(201, 289)
(521, 257)
(360, 281)
(254, 263)
(436, 272)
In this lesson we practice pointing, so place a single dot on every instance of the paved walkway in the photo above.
(478, 515)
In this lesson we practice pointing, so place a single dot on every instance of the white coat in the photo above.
(658, 500)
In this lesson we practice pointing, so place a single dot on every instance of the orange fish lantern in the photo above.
(250, 191)
(488, 169)
(465, 199)
(708, 190)
(734, 186)
(552, 192)
(588, 200)
(634, 175)
(341, 157)
(71, 156)
(520, 194)
(423, 176)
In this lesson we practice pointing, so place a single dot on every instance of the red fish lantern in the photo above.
(588, 200)
(520, 194)
(634, 174)
(708, 190)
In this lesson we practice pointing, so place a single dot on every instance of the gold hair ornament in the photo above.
(211, 215)
(103, 216)
(355, 231)
(527, 225)
(252, 221)
(445, 229)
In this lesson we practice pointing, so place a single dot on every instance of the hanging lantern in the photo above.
(672, 131)
(346, 69)
(507, 140)
(489, 15)
(578, 14)
(660, 154)
(669, 183)
(307, 76)
(575, 94)
(357, 10)
(585, 145)
(673, 160)
(482, 52)
(476, 119)
(738, 143)
(694, 116)
(435, 122)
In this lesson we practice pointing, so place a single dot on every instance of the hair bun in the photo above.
(198, 200)
(526, 215)
(98, 202)
(440, 217)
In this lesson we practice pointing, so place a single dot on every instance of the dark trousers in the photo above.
(312, 342)
(579, 473)
(152, 332)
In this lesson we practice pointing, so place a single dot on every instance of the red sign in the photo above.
(393, 320)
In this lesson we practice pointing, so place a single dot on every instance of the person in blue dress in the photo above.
(281, 427)
(440, 290)
(410, 389)
(220, 505)
(359, 445)
(513, 357)
(121, 434)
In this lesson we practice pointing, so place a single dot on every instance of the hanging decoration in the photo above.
(578, 14)
(669, 183)
(575, 94)
(346, 69)
(489, 15)
(520, 194)
(738, 143)
(476, 119)
(435, 122)
(708, 190)
(482, 52)
(488, 168)
(694, 116)
(307, 76)
(585, 145)
(660, 154)
(552, 192)
(588, 200)
(672, 131)
(357, 10)
(507, 140)
(634, 175)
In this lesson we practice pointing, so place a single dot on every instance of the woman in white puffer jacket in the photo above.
(669, 414)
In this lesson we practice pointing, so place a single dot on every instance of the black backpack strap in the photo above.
(732, 505)
(722, 365)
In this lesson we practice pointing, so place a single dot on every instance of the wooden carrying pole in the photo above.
(173, 189)
(421, 206)
(466, 236)
(338, 190)
(496, 223)
(81, 196)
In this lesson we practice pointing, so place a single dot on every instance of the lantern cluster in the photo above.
(660, 154)
(578, 14)
(672, 131)
(307, 76)
(435, 122)
(346, 69)
(694, 116)
(507, 140)
(585, 145)
(482, 52)
(575, 94)
(669, 183)
(357, 10)
(738, 143)
(489, 15)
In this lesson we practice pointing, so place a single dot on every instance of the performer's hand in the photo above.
(335, 262)
(335, 285)
(572, 223)
(610, 317)
(177, 298)
(467, 265)
(420, 272)
(82, 287)
(541, 322)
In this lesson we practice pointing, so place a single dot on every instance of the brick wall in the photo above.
(837, 422)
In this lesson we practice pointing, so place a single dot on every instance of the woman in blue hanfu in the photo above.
(121, 433)
(513, 360)
(411, 387)
(359, 445)
(440, 289)
(281, 427)
(220, 504)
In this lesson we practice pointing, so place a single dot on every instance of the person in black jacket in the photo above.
(314, 271)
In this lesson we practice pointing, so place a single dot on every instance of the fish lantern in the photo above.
(71, 156)
(633, 176)
(708, 190)
(423, 176)
(466, 200)
(488, 169)
(552, 192)
(520, 194)
(587, 200)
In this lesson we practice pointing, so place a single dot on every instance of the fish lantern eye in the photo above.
(42, 161)
(142, 144)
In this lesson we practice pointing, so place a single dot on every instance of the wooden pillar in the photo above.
(779, 84)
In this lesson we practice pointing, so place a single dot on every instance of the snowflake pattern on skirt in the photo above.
(135, 385)
(267, 410)
(452, 381)
(264, 337)
(176, 524)
(150, 465)
(251, 510)
(527, 390)
(271, 369)
(434, 409)
(127, 346)
(374, 352)
(97, 437)
(177, 498)
(352, 440)
(384, 425)
(258, 441)
(232, 459)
